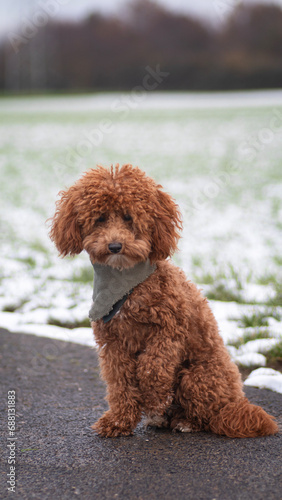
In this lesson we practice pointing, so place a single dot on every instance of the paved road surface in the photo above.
(59, 395)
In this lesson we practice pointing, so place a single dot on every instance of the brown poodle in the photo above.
(159, 347)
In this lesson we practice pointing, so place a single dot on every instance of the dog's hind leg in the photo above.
(212, 399)
(180, 421)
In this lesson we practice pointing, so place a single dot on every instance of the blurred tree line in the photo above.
(112, 53)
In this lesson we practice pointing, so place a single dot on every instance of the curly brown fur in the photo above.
(162, 354)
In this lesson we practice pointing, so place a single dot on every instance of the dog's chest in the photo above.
(122, 333)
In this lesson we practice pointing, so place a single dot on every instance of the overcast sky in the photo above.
(12, 11)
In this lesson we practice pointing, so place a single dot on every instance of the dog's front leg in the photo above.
(123, 394)
(156, 374)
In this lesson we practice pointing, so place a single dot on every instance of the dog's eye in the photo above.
(127, 217)
(102, 218)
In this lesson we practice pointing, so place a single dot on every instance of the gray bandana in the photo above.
(112, 287)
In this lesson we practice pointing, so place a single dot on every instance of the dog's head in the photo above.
(119, 216)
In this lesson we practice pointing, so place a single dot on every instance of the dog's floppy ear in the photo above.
(65, 229)
(167, 224)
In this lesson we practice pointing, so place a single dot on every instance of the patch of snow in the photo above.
(228, 330)
(257, 345)
(82, 336)
(9, 320)
(227, 310)
(38, 316)
(232, 351)
(13, 322)
(258, 293)
(265, 378)
(275, 327)
(250, 359)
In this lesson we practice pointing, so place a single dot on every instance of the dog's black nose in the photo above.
(115, 247)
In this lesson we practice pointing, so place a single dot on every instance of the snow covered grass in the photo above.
(218, 155)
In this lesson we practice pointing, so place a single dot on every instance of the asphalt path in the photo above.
(59, 395)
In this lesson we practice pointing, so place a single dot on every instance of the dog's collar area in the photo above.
(113, 286)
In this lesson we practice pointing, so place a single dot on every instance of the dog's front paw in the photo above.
(109, 426)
